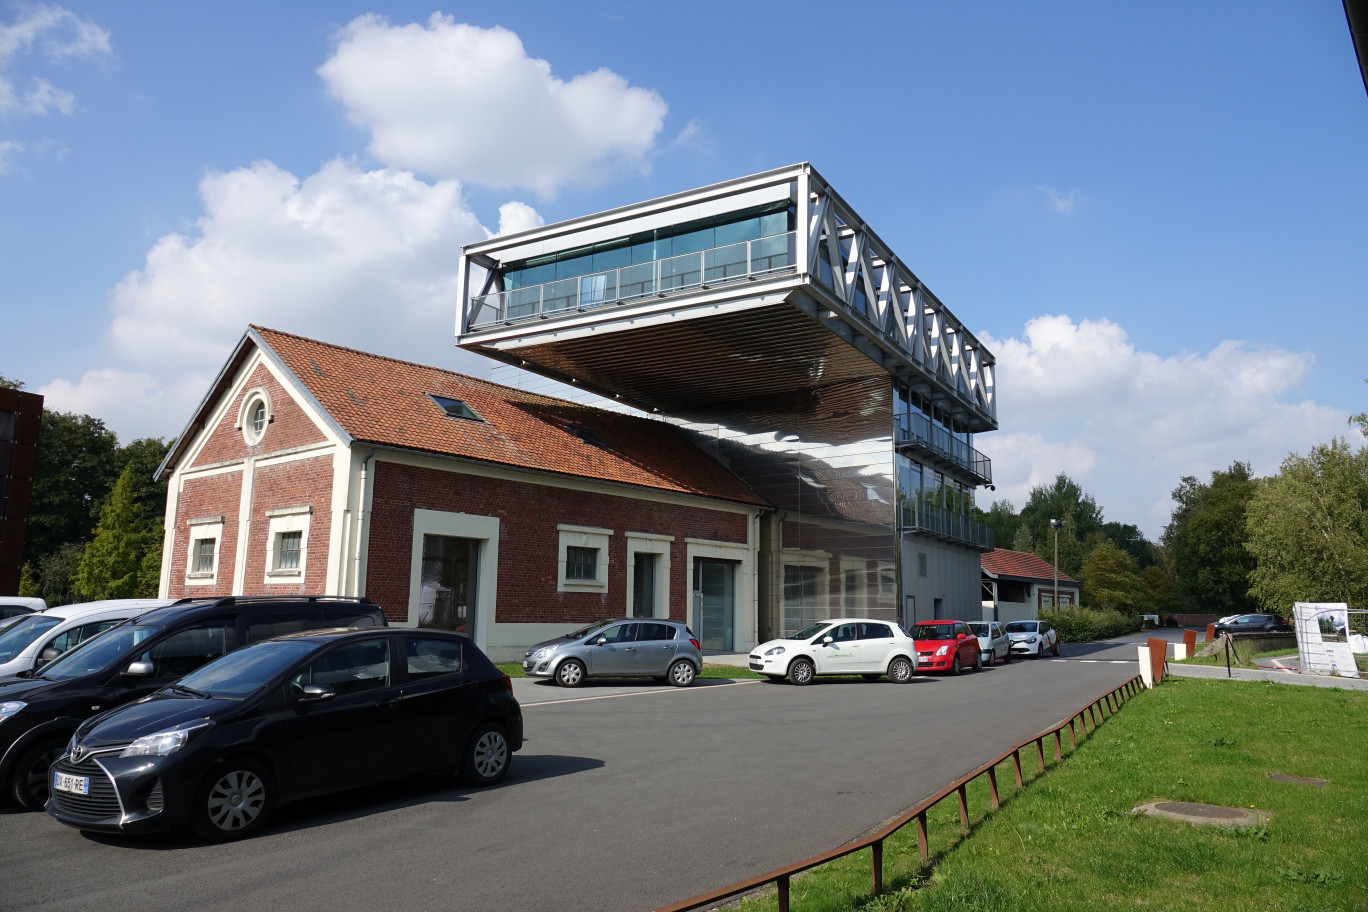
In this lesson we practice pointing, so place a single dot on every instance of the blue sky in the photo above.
(1153, 214)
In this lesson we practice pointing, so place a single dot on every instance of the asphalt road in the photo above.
(623, 798)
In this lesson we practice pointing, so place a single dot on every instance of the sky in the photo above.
(1152, 216)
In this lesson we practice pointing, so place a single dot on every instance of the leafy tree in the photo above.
(1361, 419)
(1159, 592)
(1308, 530)
(1064, 499)
(7, 383)
(77, 466)
(1022, 540)
(112, 565)
(1110, 579)
(1206, 538)
(57, 573)
(29, 586)
(1002, 519)
(1130, 539)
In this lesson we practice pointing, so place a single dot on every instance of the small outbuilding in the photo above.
(1017, 585)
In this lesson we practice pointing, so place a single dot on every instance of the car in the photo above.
(1033, 638)
(1253, 623)
(40, 709)
(946, 645)
(43, 635)
(298, 715)
(619, 648)
(993, 641)
(12, 605)
(839, 646)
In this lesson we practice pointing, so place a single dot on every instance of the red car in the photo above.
(946, 646)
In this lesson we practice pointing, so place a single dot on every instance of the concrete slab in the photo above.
(1204, 814)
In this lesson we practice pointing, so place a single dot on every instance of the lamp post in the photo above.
(1056, 525)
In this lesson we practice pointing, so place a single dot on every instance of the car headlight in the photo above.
(543, 653)
(166, 742)
(776, 651)
(10, 708)
(943, 650)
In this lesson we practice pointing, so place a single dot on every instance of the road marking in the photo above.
(639, 693)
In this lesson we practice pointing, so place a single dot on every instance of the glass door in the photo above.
(446, 599)
(715, 602)
(643, 585)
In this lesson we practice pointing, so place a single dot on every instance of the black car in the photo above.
(1253, 623)
(295, 716)
(40, 709)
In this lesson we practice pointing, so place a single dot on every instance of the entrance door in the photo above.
(447, 598)
(643, 585)
(715, 602)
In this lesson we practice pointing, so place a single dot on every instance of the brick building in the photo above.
(450, 501)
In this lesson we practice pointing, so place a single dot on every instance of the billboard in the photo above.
(1323, 638)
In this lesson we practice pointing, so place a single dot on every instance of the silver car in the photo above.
(619, 648)
(993, 641)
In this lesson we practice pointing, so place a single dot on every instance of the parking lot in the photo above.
(624, 797)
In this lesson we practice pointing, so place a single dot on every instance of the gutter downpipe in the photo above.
(361, 516)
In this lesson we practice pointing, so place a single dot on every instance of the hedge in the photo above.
(1084, 625)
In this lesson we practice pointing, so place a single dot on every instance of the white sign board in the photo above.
(1323, 638)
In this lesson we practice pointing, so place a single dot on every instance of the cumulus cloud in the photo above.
(458, 101)
(126, 399)
(1128, 424)
(516, 216)
(54, 33)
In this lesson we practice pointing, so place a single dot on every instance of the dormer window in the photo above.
(456, 408)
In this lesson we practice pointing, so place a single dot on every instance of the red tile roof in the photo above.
(1021, 564)
(386, 401)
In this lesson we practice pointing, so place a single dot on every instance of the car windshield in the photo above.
(979, 629)
(933, 632)
(810, 631)
(242, 672)
(15, 638)
(1021, 627)
(587, 629)
(96, 653)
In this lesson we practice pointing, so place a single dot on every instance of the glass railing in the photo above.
(920, 431)
(703, 269)
(919, 516)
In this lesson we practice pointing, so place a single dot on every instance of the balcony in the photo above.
(743, 261)
(930, 439)
(919, 517)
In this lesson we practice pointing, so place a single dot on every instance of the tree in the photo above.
(1206, 539)
(112, 565)
(1022, 541)
(77, 466)
(57, 573)
(1308, 530)
(7, 383)
(1064, 499)
(1002, 518)
(1110, 579)
(1130, 539)
(1158, 592)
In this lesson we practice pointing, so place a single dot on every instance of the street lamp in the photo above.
(1056, 525)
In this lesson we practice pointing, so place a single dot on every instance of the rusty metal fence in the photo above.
(1097, 711)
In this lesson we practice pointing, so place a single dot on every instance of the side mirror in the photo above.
(139, 670)
(827, 639)
(601, 641)
(48, 655)
(315, 693)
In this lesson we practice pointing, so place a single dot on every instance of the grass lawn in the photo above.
(1240, 657)
(1069, 841)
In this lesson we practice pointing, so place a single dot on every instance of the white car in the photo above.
(38, 638)
(15, 605)
(1032, 638)
(994, 643)
(839, 646)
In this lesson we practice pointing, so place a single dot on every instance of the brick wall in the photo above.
(290, 428)
(529, 540)
(300, 482)
(213, 495)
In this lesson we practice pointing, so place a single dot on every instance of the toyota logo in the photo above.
(77, 754)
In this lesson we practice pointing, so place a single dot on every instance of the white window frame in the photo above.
(484, 529)
(201, 529)
(256, 395)
(891, 596)
(860, 568)
(648, 543)
(287, 519)
(583, 537)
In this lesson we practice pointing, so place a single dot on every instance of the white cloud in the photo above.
(515, 216)
(455, 100)
(1060, 201)
(127, 399)
(1127, 424)
(9, 151)
(56, 34)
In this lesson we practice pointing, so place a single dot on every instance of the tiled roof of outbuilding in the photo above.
(1020, 564)
(386, 401)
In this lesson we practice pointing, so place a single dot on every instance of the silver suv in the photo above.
(619, 648)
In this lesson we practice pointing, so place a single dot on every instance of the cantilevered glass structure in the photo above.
(767, 319)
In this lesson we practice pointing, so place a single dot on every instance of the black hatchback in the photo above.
(287, 718)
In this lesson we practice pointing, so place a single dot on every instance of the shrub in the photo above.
(1083, 625)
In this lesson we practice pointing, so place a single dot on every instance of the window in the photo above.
(350, 669)
(256, 415)
(259, 419)
(202, 559)
(204, 554)
(287, 551)
(276, 624)
(183, 652)
(581, 563)
(78, 635)
(288, 534)
(656, 632)
(456, 408)
(430, 658)
(921, 564)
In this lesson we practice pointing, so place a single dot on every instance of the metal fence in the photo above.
(1098, 711)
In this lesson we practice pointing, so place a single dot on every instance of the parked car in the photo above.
(42, 636)
(946, 646)
(993, 641)
(299, 715)
(40, 709)
(11, 605)
(1033, 638)
(839, 646)
(619, 648)
(1253, 623)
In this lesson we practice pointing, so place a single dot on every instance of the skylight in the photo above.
(456, 408)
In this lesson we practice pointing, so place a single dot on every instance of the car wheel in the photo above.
(1007, 657)
(955, 665)
(682, 673)
(978, 662)
(487, 756)
(234, 800)
(29, 787)
(570, 673)
(900, 670)
(1055, 649)
(801, 671)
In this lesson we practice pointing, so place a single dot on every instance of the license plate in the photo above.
(65, 782)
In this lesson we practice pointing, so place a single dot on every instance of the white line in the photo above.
(639, 693)
(1089, 661)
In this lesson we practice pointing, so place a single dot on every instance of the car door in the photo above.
(354, 735)
(876, 647)
(439, 702)
(656, 646)
(968, 645)
(616, 656)
(1002, 647)
(842, 654)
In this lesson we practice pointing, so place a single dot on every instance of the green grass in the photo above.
(1240, 656)
(514, 670)
(1070, 842)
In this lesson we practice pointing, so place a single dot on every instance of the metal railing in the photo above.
(920, 431)
(657, 278)
(1098, 710)
(916, 515)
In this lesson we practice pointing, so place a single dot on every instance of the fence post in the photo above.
(1059, 747)
(783, 886)
(1016, 765)
(923, 846)
(992, 787)
(1073, 745)
(963, 809)
(1040, 753)
(878, 867)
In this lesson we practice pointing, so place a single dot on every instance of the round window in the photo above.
(255, 418)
